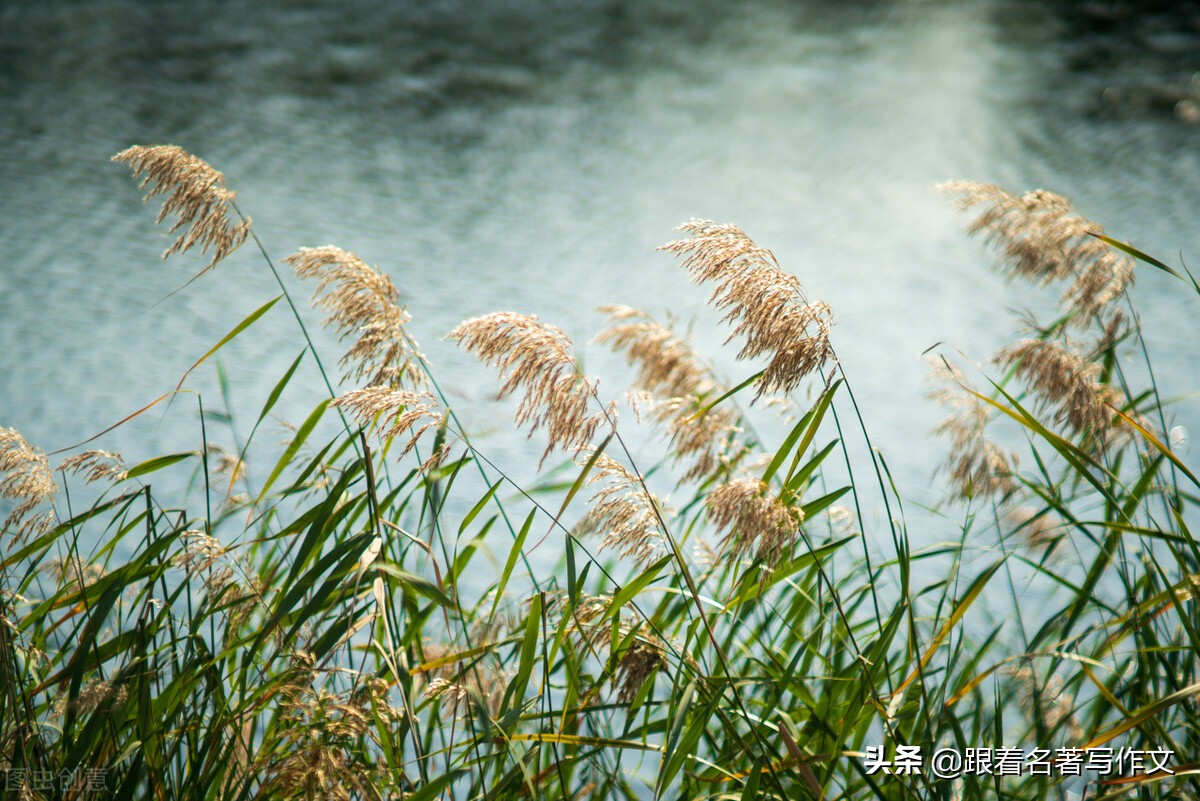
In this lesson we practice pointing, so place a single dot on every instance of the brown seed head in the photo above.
(756, 523)
(25, 477)
(539, 360)
(399, 411)
(638, 664)
(670, 372)
(767, 306)
(95, 465)
(624, 512)
(1042, 239)
(1065, 382)
(73, 574)
(196, 195)
(976, 466)
(365, 303)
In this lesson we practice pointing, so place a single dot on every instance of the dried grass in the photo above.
(679, 387)
(363, 302)
(399, 411)
(624, 512)
(1066, 383)
(756, 523)
(539, 360)
(976, 466)
(767, 306)
(196, 195)
(95, 465)
(1043, 240)
(26, 479)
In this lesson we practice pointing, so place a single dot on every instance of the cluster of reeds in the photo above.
(381, 616)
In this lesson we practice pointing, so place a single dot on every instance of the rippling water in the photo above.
(531, 156)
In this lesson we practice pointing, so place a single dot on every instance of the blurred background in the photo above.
(530, 156)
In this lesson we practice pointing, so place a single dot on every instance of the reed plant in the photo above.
(323, 623)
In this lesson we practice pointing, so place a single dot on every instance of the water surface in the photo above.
(531, 156)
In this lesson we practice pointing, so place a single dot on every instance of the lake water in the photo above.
(530, 157)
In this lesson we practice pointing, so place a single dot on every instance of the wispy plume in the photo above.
(624, 512)
(756, 523)
(464, 686)
(680, 387)
(539, 360)
(95, 466)
(644, 653)
(362, 302)
(26, 479)
(398, 412)
(767, 306)
(195, 194)
(976, 466)
(1066, 383)
(1042, 239)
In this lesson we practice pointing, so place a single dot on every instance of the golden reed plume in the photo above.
(976, 466)
(669, 370)
(196, 195)
(363, 302)
(756, 523)
(1042, 239)
(767, 306)
(539, 360)
(399, 411)
(626, 513)
(25, 477)
(1066, 383)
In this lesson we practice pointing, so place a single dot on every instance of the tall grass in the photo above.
(324, 626)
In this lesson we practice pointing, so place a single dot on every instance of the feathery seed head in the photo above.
(73, 574)
(667, 365)
(363, 302)
(624, 511)
(644, 657)
(976, 466)
(197, 196)
(457, 683)
(95, 465)
(1043, 240)
(25, 477)
(539, 360)
(756, 523)
(670, 370)
(1065, 382)
(399, 411)
(92, 695)
(767, 306)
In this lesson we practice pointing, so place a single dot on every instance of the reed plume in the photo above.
(95, 465)
(756, 523)
(639, 663)
(1043, 240)
(196, 195)
(399, 411)
(28, 481)
(1065, 383)
(457, 683)
(319, 756)
(539, 360)
(644, 655)
(679, 386)
(976, 466)
(93, 695)
(364, 302)
(767, 306)
(625, 512)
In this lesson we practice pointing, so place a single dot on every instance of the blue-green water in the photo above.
(531, 156)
